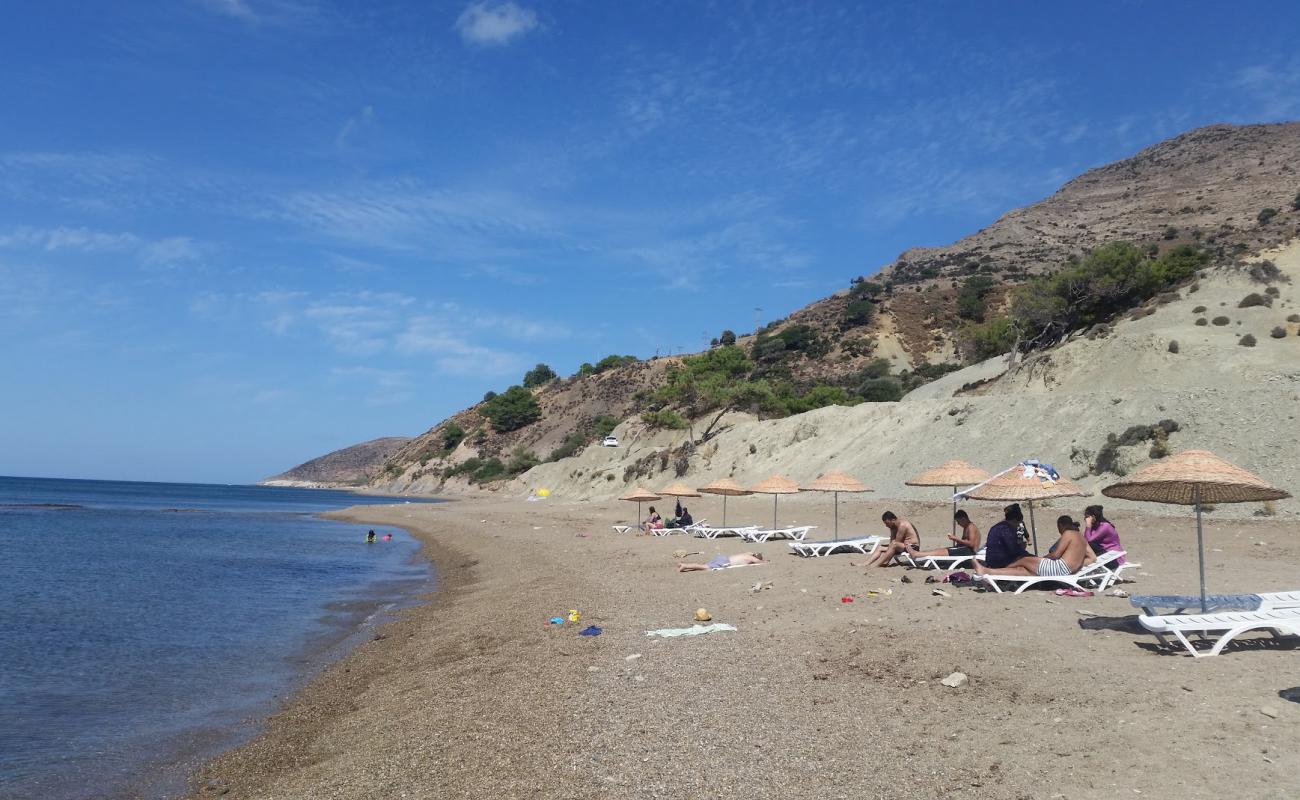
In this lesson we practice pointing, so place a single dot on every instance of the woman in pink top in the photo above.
(1100, 533)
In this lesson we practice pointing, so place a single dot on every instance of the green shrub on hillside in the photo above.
(970, 298)
(792, 342)
(610, 362)
(983, 340)
(1265, 215)
(512, 410)
(727, 338)
(522, 460)
(452, 434)
(539, 375)
(664, 419)
(858, 313)
(1108, 281)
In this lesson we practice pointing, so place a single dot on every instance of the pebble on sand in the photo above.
(956, 680)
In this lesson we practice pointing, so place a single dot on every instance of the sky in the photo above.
(238, 234)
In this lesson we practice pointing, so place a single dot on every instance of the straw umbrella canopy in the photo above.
(727, 488)
(1014, 486)
(679, 490)
(950, 473)
(639, 496)
(1194, 478)
(776, 486)
(836, 482)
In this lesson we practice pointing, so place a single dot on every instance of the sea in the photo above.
(146, 627)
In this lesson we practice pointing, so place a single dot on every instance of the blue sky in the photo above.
(237, 234)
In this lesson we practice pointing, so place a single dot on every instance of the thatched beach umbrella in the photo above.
(1194, 478)
(1014, 486)
(727, 488)
(639, 496)
(679, 490)
(950, 473)
(776, 486)
(836, 482)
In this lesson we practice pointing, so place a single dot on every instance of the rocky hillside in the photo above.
(1228, 191)
(1217, 367)
(352, 466)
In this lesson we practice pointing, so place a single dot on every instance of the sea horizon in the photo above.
(151, 625)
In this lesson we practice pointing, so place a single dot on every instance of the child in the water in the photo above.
(370, 537)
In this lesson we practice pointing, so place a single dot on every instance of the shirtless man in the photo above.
(902, 536)
(722, 562)
(1070, 553)
(967, 544)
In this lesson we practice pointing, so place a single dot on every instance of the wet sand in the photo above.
(474, 695)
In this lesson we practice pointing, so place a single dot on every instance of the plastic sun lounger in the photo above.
(1155, 605)
(866, 545)
(706, 532)
(937, 562)
(622, 528)
(1095, 573)
(1280, 621)
(763, 534)
(692, 528)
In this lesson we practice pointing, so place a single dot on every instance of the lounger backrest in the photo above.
(1102, 560)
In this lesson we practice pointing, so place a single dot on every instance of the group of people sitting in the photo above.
(1006, 552)
(681, 519)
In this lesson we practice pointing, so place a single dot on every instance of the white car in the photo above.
(609, 441)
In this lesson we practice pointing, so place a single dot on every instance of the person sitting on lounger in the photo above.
(683, 520)
(1004, 546)
(967, 544)
(722, 562)
(1067, 556)
(652, 522)
(902, 536)
(1101, 534)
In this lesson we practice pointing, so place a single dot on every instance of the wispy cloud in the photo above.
(274, 13)
(79, 239)
(487, 23)
(451, 352)
(379, 387)
(1272, 90)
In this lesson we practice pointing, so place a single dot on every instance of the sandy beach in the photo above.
(474, 695)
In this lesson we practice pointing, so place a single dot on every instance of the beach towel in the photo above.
(694, 630)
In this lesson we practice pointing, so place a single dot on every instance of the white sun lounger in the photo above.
(692, 528)
(713, 533)
(1281, 621)
(866, 545)
(1169, 605)
(1095, 575)
(937, 562)
(763, 534)
(622, 528)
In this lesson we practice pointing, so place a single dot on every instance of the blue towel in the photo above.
(1192, 602)
(590, 630)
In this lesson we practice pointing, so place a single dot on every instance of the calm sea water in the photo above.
(143, 624)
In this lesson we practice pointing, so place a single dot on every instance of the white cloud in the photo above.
(171, 252)
(451, 352)
(381, 387)
(238, 9)
(82, 240)
(492, 23)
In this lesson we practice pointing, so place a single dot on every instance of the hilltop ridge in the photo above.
(1226, 191)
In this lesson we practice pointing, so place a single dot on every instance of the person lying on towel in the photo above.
(1070, 553)
(722, 562)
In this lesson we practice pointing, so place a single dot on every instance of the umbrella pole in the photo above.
(1200, 543)
(775, 498)
(837, 516)
(724, 511)
(1033, 529)
(954, 511)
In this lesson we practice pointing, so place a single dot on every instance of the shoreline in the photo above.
(313, 704)
(473, 695)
